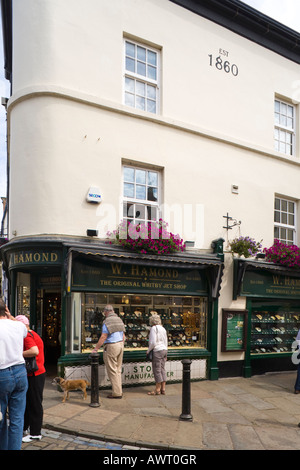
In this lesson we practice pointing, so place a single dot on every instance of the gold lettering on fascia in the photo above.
(143, 272)
(286, 281)
(34, 257)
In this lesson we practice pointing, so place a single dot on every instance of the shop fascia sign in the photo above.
(268, 284)
(117, 277)
(34, 257)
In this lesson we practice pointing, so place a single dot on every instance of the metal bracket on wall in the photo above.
(228, 218)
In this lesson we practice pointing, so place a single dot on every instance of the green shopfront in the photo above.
(64, 284)
(273, 303)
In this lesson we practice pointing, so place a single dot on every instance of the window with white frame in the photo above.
(141, 77)
(140, 194)
(284, 131)
(285, 221)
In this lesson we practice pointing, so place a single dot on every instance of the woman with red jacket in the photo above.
(33, 419)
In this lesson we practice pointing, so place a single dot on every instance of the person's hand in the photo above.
(8, 314)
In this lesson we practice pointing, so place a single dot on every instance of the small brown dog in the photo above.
(68, 385)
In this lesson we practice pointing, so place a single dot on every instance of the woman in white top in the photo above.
(158, 343)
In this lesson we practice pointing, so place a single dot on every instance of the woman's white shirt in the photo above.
(158, 339)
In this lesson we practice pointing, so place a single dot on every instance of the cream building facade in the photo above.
(202, 98)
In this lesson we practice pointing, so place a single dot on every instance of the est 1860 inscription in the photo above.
(222, 63)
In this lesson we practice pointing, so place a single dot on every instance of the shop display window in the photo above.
(184, 317)
(23, 294)
(274, 328)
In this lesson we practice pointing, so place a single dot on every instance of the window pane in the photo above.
(140, 192)
(152, 213)
(284, 218)
(277, 216)
(128, 210)
(283, 205)
(141, 53)
(128, 190)
(276, 232)
(129, 84)
(282, 147)
(151, 56)
(130, 64)
(291, 207)
(283, 108)
(129, 174)
(283, 234)
(282, 135)
(141, 68)
(130, 49)
(152, 178)
(152, 194)
(290, 235)
(283, 121)
(290, 111)
(151, 92)
(140, 211)
(129, 99)
(151, 72)
(140, 103)
(277, 106)
(140, 88)
(151, 106)
(140, 176)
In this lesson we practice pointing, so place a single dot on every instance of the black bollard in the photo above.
(94, 380)
(186, 391)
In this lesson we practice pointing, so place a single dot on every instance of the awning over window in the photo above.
(212, 265)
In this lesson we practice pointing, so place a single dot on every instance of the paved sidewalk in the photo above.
(258, 413)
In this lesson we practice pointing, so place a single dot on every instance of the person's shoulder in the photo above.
(18, 325)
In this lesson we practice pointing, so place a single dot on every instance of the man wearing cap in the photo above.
(112, 338)
(13, 380)
(33, 420)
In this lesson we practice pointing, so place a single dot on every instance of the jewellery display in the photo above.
(184, 318)
(274, 330)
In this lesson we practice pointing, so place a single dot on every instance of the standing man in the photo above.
(13, 380)
(112, 337)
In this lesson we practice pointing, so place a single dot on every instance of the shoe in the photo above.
(113, 396)
(297, 392)
(30, 438)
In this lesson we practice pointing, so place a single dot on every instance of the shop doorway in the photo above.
(52, 326)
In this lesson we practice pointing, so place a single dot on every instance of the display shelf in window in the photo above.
(185, 319)
(273, 330)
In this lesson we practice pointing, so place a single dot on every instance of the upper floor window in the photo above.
(285, 221)
(141, 189)
(284, 132)
(141, 77)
